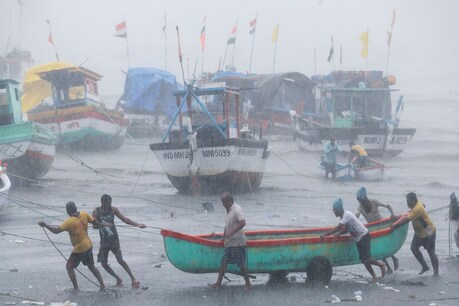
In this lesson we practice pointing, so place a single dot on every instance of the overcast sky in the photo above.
(424, 53)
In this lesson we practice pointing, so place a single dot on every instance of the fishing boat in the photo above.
(354, 106)
(76, 115)
(148, 101)
(342, 172)
(5, 185)
(371, 171)
(205, 150)
(27, 147)
(283, 251)
(268, 98)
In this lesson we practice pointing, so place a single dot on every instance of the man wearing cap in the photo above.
(359, 233)
(77, 226)
(424, 233)
(369, 209)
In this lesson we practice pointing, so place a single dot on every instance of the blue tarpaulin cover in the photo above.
(150, 90)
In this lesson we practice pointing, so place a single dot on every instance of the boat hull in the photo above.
(374, 171)
(280, 250)
(234, 165)
(373, 140)
(85, 127)
(28, 148)
(5, 186)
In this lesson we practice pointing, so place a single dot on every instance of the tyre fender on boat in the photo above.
(319, 269)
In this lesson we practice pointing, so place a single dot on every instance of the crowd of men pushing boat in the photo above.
(234, 238)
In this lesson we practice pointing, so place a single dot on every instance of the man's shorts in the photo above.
(428, 242)
(113, 246)
(235, 255)
(364, 247)
(86, 258)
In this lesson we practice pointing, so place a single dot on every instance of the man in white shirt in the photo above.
(234, 241)
(359, 233)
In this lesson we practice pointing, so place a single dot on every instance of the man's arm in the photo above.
(52, 229)
(338, 229)
(389, 208)
(126, 219)
(402, 221)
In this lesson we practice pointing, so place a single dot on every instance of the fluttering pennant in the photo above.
(275, 35)
(203, 34)
(232, 36)
(389, 33)
(50, 38)
(253, 26)
(331, 52)
(121, 30)
(364, 38)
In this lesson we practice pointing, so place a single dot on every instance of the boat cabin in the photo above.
(354, 99)
(215, 117)
(10, 105)
(73, 86)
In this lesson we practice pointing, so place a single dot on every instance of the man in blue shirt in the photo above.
(330, 149)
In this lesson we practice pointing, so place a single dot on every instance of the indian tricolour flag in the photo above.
(232, 36)
(121, 30)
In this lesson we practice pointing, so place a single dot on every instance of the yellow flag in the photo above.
(275, 33)
(364, 39)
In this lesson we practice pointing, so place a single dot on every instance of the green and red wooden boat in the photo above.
(278, 252)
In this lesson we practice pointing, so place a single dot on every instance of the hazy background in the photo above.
(423, 56)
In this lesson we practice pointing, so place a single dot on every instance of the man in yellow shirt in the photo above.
(358, 154)
(77, 226)
(424, 233)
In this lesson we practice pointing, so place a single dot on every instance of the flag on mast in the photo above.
(364, 38)
(164, 26)
(203, 34)
(121, 30)
(330, 53)
(50, 39)
(389, 33)
(275, 35)
(253, 26)
(232, 36)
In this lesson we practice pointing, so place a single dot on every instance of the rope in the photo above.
(296, 172)
(141, 171)
(52, 242)
(19, 297)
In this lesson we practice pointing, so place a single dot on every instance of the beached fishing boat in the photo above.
(268, 98)
(371, 171)
(354, 106)
(75, 115)
(5, 185)
(207, 151)
(148, 101)
(276, 251)
(27, 147)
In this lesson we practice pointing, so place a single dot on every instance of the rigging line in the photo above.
(31, 238)
(19, 298)
(76, 159)
(141, 171)
(52, 242)
(431, 128)
(300, 174)
(34, 210)
(17, 199)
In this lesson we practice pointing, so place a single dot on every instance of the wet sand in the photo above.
(32, 269)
